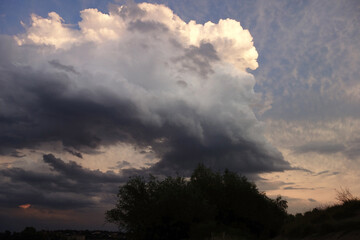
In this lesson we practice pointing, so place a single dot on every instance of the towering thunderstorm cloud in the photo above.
(138, 75)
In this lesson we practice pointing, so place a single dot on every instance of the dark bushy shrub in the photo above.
(208, 204)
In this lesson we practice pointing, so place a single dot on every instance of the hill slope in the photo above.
(340, 221)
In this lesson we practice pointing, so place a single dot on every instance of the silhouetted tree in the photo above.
(209, 203)
(29, 233)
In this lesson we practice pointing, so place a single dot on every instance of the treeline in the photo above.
(30, 233)
(208, 205)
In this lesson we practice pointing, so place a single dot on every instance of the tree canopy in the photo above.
(208, 204)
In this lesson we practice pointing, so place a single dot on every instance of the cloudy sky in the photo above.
(92, 92)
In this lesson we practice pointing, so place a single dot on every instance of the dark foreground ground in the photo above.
(344, 235)
(337, 222)
(340, 221)
(30, 233)
(104, 235)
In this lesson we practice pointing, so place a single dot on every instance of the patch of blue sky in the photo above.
(15, 11)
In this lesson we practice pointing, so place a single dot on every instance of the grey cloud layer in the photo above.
(320, 147)
(67, 186)
(314, 75)
(350, 149)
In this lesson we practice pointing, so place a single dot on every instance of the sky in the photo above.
(93, 92)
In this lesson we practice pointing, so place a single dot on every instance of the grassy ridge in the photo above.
(344, 217)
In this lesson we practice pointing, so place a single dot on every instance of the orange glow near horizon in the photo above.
(25, 206)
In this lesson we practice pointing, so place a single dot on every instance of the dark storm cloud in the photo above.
(67, 186)
(326, 173)
(297, 188)
(17, 154)
(353, 150)
(44, 199)
(66, 68)
(219, 153)
(266, 185)
(75, 153)
(121, 164)
(74, 171)
(322, 172)
(350, 150)
(320, 147)
(36, 110)
(181, 83)
(40, 107)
